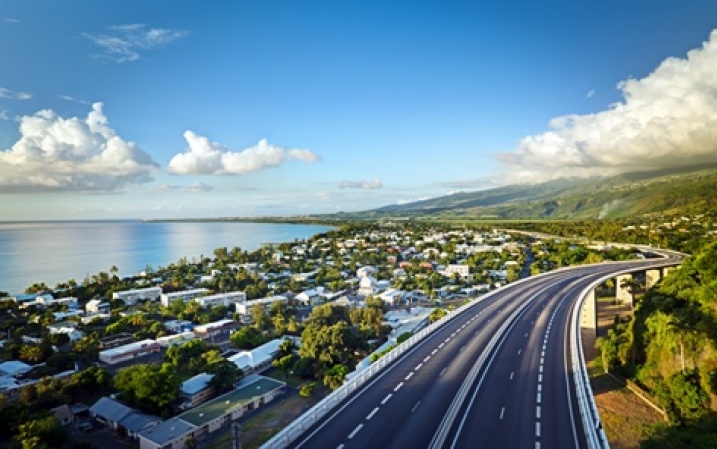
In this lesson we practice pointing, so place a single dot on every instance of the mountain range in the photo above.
(674, 191)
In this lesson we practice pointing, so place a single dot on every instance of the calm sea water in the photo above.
(53, 252)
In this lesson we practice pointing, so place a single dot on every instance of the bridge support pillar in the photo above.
(588, 315)
(623, 289)
(652, 277)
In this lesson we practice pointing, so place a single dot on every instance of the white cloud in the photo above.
(4, 115)
(73, 99)
(11, 20)
(7, 93)
(57, 154)
(667, 119)
(590, 94)
(402, 201)
(204, 157)
(362, 184)
(197, 187)
(126, 43)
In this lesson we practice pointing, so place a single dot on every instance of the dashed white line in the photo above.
(443, 371)
(418, 366)
(542, 360)
(502, 411)
(370, 415)
(540, 377)
(537, 412)
(462, 348)
(434, 352)
(340, 446)
(441, 345)
(520, 350)
(540, 387)
(526, 335)
(537, 429)
(355, 431)
(415, 406)
(388, 396)
(409, 375)
(537, 445)
(428, 357)
(398, 387)
(537, 399)
(541, 368)
(511, 375)
(542, 354)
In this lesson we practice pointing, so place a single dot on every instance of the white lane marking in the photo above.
(415, 406)
(537, 445)
(542, 360)
(520, 350)
(398, 387)
(462, 348)
(340, 446)
(511, 375)
(409, 375)
(540, 387)
(356, 430)
(447, 340)
(441, 345)
(502, 411)
(453, 334)
(537, 412)
(541, 368)
(542, 354)
(434, 352)
(427, 358)
(540, 377)
(418, 366)
(537, 399)
(388, 396)
(443, 371)
(526, 335)
(370, 415)
(537, 429)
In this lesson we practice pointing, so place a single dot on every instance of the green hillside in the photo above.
(672, 192)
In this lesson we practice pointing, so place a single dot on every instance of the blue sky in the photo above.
(139, 109)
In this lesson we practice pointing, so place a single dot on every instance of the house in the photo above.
(367, 286)
(215, 328)
(245, 307)
(135, 423)
(129, 351)
(176, 339)
(68, 328)
(178, 326)
(110, 411)
(196, 390)
(464, 271)
(310, 297)
(220, 299)
(63, 414)
(131, 297)
(14, 368)
(185, 295)
(59, 316)
(392, 296)
(96, 306)
(261, 357)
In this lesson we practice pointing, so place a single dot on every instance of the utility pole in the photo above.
(236, 433)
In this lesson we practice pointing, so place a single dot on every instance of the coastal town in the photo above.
(170, 357)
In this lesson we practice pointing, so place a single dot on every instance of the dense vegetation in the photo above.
(670, 348)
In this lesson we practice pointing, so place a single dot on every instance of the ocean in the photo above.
(53, 252)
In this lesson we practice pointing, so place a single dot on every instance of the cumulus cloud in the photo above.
(7, 93)
(125, 43)
(204, 157)
(362, 184)
(56, 154)
(667, 119)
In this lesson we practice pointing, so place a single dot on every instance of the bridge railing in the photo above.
(589, 414)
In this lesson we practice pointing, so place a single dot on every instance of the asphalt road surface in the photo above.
(522, 396)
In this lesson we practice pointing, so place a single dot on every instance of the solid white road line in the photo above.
(355, 431)
(370, 415)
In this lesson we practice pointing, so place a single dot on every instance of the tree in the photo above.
(334, 377)
(225, 373)
(284, 363)
(31, 354)
(247, 337)
(149, 387)
(41, 433)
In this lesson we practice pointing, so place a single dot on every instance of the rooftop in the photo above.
(227, 402)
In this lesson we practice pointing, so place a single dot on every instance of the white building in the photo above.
(95, 306)
(223, 299)
(176, 339)
(464, 271)
(245, 307)
(260, 357)
(184, 295)
(130, 297)
(129, 351)
(68, 328)
(178, 326)
(215, 328)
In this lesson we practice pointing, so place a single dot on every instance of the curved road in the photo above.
(522, 396)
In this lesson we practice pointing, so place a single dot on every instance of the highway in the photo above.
(450, 391)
